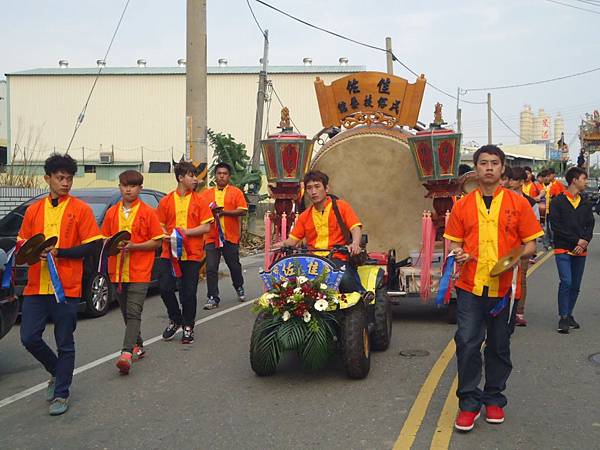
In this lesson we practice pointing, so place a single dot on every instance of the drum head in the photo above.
(373, 170)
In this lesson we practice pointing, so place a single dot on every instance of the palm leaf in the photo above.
(291, 334)
(265, 344)
(318, 344)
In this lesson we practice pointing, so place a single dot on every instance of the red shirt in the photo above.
(230, 198)
(142, 222)
(489, 235)
(187, 211)
(73, 221)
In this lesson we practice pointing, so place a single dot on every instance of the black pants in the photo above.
(474, 321)
(350, 280)
(231, 254)
(188, 286)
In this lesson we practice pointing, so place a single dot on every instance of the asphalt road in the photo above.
(205, 396)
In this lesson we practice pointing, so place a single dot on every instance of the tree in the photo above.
(226, 150)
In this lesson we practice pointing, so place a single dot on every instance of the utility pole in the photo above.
(458, 111)
(489, 111)
(195, 80)
(260, 104)
(389, 55)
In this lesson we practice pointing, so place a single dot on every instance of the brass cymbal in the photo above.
(29, 247)
(507, 262)
(112, 246)
(34, 256)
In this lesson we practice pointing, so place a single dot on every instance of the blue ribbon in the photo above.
(59, 292)
(8, 269)
(179, 239)
(445, 280)
(498, 307)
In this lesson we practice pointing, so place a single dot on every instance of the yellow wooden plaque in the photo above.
(370, 93)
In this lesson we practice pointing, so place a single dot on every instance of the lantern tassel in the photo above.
(428, 239)
(267, 240)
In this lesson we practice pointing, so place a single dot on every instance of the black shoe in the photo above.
(170, 331)
(241, 294)
(563, 325)
(572, 323)
(188, 335)
(212, 303)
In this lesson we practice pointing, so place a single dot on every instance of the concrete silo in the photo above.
(526, 125)
(559, 127)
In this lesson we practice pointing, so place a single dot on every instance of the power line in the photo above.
(256, 20)
(82, 113)
(505, 124)
(574, 7)
(282, 105)
(364, 44)
(510, 86)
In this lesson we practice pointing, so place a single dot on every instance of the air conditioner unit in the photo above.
(106, 158)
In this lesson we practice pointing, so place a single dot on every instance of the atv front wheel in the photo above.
(356, 352)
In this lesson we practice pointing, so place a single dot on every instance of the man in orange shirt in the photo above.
(484, 226)
(321, 229)
(553, 189)
(228, 206)
(531, 188)
(130, 272)
(185, 217)
(72, 221)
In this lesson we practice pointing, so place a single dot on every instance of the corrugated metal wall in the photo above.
(129, 112)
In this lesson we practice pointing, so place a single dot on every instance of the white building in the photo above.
(138, 113)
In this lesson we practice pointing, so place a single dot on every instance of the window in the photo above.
(149, 199)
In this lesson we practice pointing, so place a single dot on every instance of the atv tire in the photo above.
(356, 352)
(381, 334)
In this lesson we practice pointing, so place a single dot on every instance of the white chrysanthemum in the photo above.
(286, 316)
(321, 305)
(302, 279)
(323, 287)
(284, 284)
(270, 295)
(306, 316)
(297, 290)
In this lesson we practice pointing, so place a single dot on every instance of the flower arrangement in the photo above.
(295, 315)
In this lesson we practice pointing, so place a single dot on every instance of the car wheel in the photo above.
(98, 298)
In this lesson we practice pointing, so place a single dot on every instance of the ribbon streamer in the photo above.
(9, 267)
(221, 235)
(178, 243)
(446, 280)
(59, 292)
(509, 298)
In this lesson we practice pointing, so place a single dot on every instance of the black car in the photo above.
(96, 296)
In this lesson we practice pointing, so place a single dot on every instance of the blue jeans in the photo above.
(475, 324)
(570, 272)
(37, 309)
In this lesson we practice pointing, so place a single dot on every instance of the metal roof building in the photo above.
(138, 113)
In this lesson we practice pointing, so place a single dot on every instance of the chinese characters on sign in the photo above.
(370, 93)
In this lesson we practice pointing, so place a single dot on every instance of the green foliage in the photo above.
(265, 344)
(318, 344)
(233, 153)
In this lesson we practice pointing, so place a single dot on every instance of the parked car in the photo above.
(9, 308)
(96, 296)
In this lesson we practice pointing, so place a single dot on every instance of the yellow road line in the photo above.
(419, 407)
(445, 426)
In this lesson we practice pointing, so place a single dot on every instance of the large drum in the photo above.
(372, 168)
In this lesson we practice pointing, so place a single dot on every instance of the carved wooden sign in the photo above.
(367, 96)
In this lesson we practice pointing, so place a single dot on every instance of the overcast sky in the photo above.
(466, 43)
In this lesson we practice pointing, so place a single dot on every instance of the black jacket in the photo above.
(571, 224)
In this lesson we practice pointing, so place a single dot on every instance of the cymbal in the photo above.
(28, 248)
(34, 256)
(507, 262)
(112, 246)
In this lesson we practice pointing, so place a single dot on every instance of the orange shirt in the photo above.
(72, 220)
(321, 229)
(531, 189)
(487, 236)
(142, 222)
(188, 211)
(575, 201)
(229, 198)
(554, 189)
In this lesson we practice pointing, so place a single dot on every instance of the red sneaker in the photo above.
(494, 414)
(465, 421)
(138, 353)
(520, 320)
(124, 363)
